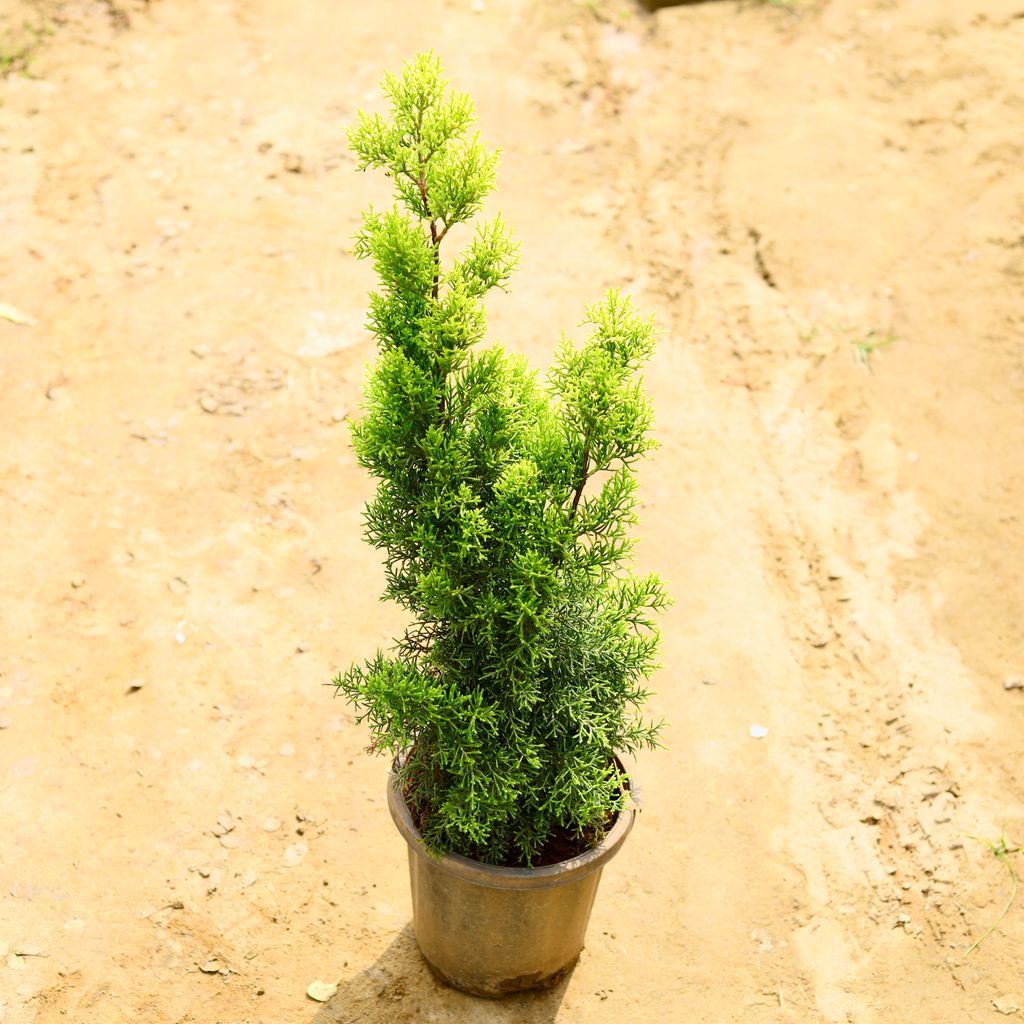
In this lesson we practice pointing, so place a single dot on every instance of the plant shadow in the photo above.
(398, 987)
(653, 5)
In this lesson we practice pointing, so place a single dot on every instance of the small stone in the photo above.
(135, 685)
(203, 872)
(286, 750)
(5, 721)
(200, 351)
(339, 414)
(1006, 1005)
(229, 842)
(208, 404)
(295, 853)
(212, 966)
(758, 731)
(321, 991)
(249, 878)
(1013, 683)
(271, 825)
(178, 585)
(77, 582)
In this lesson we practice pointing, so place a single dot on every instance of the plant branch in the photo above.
(435, 241)
(584, 477)
(435, 237)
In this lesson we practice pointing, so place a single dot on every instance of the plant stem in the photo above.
(435, 241)
(584, 477)
(1002, 853)
(435, 237)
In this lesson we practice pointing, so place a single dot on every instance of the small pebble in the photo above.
(1006, 1005)
(271, 825)
(1013, 683)
(295, 853)
(758, 731)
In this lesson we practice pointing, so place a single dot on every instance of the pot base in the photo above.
(505, 987)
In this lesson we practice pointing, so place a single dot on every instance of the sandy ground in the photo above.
(823, 205)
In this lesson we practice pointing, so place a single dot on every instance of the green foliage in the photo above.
(503, 506)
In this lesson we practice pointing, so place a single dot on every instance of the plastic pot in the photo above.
(491, 931)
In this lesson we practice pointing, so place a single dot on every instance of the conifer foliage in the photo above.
(503, 506)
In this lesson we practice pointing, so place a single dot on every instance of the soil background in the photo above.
(822, 203)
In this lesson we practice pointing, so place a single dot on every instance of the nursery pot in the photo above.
(491, 930)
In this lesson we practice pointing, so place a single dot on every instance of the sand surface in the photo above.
(823, 205)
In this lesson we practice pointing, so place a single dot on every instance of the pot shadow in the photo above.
(654, 5)
(399, 987)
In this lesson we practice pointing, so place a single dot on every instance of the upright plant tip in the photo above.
(503, 508)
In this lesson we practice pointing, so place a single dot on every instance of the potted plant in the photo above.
(503, 507)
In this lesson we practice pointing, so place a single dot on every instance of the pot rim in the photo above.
(497, 876)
